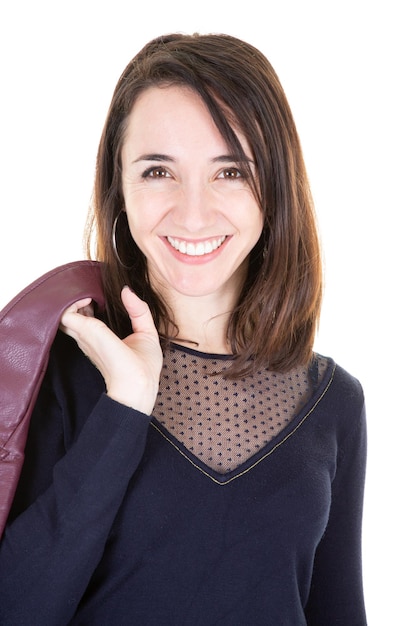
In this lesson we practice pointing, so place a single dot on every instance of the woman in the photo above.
(191, 460)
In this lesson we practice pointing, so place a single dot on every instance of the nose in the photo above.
(195, 207)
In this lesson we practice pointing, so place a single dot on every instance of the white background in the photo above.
(349, 71)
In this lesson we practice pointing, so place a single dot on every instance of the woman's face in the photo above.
(190, 208)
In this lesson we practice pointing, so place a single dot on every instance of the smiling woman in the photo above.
(190, 208)
(190, 458)
(242, 102)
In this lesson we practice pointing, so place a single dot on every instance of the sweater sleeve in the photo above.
(336, 596)
(49, 552)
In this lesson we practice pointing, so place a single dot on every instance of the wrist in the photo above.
(143, 402)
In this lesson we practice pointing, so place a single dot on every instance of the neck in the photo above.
(202, 323)
(202, 320)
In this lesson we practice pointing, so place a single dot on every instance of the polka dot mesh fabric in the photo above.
(225, 422)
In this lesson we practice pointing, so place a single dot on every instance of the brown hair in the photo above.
(274, 322)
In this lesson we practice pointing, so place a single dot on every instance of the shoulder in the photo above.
(342, 401)
(68, 359)
(345, 385)
(71, 376)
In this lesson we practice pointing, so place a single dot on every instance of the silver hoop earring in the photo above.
(114, 242)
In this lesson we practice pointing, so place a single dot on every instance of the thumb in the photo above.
(138, 311)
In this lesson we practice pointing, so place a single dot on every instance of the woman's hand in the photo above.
(130, 367)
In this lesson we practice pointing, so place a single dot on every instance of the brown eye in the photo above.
(155, 172)
(231, 173)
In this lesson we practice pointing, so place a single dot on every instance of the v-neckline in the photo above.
(224, 478)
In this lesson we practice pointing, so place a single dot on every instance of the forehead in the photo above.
(168, 102)
(174, 113)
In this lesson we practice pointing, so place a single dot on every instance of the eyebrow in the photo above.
(153, 157)
(223, 158)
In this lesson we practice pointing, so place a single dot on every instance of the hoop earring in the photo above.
(114, 242)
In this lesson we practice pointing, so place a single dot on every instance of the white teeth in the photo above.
(196, 249)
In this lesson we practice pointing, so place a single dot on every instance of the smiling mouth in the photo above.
(196, 249)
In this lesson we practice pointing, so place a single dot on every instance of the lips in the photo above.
(199, 248)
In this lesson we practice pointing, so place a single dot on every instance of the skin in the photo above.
(193, 215)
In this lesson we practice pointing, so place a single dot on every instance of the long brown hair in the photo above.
(275, 319)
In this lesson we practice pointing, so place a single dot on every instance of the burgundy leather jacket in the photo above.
(28, 325)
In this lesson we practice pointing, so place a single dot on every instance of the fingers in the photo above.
(130, 367)
(92, 335)
(138, 311)
(72, 318)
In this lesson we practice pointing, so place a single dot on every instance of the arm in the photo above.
(336, 592)
(50, 551)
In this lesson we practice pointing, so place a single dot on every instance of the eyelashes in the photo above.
(157, 172)
(231, 173)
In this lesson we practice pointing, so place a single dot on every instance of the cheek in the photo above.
(254, 220)
(146, 204)
(260, 220)
(143, 213)
(254, 228)
(137, 225)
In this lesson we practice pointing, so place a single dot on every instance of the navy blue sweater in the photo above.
(116, 523)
